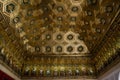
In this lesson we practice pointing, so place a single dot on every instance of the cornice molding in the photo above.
(115, 21)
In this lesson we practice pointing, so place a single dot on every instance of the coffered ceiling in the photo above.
(58, 35)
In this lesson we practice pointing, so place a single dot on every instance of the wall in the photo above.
(4, 76)
(112, 74)
(9, 73)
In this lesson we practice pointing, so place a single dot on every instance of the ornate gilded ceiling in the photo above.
(59, 35)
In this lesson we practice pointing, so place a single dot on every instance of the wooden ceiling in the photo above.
(58, 35)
